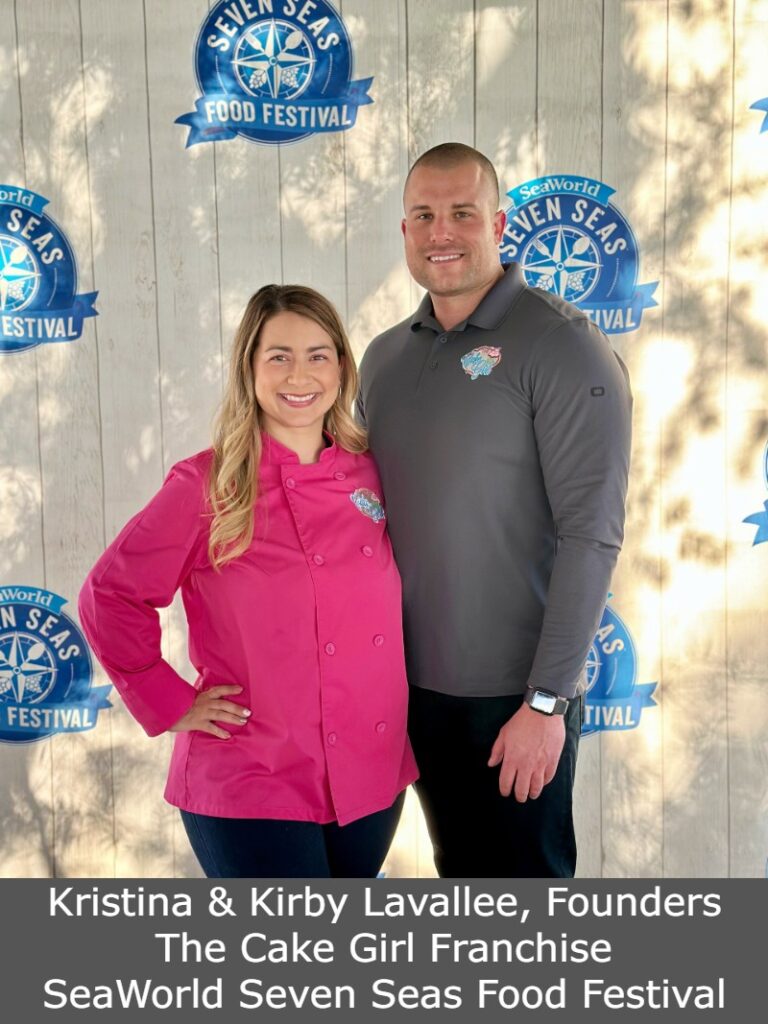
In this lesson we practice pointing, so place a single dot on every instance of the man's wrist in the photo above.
(545, 702)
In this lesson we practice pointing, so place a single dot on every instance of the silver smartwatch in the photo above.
(545, 702)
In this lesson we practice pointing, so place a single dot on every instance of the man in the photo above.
(499, 417)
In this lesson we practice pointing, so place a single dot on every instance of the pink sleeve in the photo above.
(139, 572)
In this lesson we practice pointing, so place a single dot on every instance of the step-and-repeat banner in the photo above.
(162, 161)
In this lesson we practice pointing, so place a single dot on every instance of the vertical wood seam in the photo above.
(222, 374)
(280, 213)
(661, 452)
(98, 393)
(726, 448)
(52, 858)
(475, 18)
(537, 136)
(154, 243)
(218, 271)
(408, 134)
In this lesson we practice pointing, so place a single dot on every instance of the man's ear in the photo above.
(402, 226)
(499, 223)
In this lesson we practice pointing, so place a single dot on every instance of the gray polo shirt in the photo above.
(503, 447)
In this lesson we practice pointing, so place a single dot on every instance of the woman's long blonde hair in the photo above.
(233, 488)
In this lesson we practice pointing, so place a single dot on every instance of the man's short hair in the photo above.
(449, 155)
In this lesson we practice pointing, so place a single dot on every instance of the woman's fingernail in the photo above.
(246, 711)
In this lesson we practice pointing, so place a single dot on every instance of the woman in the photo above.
(291, 756)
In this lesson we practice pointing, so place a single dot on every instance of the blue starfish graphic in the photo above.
(762, 105)
(760, 520)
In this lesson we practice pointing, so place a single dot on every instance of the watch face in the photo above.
(543, 702)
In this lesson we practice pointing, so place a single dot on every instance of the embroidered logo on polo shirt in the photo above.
(369, 503)
(480, 361)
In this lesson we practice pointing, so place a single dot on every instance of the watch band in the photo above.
(546, 702)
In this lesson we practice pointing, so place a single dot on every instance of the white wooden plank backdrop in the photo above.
(650, 96)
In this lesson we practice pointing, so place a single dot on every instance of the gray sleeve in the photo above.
(582, 408)
(359, 410)
(363, 375)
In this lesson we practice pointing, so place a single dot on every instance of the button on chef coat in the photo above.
(302, 632)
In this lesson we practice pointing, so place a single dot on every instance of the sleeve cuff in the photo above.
(157, 697)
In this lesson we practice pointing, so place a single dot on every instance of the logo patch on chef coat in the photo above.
(369, 503)
(480, 361)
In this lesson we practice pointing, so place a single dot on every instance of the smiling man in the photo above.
(499, 417)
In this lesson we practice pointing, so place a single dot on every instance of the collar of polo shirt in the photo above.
(490, 312)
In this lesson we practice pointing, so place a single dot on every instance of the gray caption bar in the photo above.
(383, 950)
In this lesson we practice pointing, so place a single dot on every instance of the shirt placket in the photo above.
(439, 350)
(330, 646)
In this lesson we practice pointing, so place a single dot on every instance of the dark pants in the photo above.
(475, 831)
(267, 848)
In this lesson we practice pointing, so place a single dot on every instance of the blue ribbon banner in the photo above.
(762, 105)
(48, 325)
(561, 184)
(621, 315)
(615, 714)
(74, 716)
(15, 195)
(760, 520)
(218, 116)
(27, 595)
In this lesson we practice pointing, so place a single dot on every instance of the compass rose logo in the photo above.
(19, 276)
(573, 242)
(38, 276)
(563, 260)
(592, 666)
(27, 671)
(274, 59)
(273, 72)
(614, 701)
(45, 669)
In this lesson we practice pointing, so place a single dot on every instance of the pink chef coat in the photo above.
(307, 621)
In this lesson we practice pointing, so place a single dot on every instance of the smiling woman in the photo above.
(297, 371)
(291, 755)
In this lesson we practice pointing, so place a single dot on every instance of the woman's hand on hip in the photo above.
(210, 707)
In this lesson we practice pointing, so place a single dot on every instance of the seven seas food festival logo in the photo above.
(273, 71)
(38, 276)
(569, 239)
(614, 700)
(45, 669)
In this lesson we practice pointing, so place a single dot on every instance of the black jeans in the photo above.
(475, 831)
(268, 848)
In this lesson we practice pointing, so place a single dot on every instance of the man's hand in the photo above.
(209, 708)
(528, 748)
